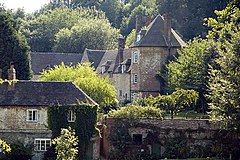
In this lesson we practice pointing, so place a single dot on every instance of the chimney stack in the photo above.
(138, 23)
(11, 72)
(167, 27)
(148, 21)
(121, 46)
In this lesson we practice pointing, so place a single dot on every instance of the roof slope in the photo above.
(102, 57)
(29, 93)
(154, 36)
(41, 61)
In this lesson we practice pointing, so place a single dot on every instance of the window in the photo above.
(102, 69)
(32, 115)
(135, 57)
(123, 68)
(137, 138)
(71, 116)
(120, 92)
(135, 78)
(41, 144)
(138, 37)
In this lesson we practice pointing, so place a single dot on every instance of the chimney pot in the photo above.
(148, 20)
(11, 72)
(121, 46)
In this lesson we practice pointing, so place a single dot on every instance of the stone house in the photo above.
(150, 51)
(133, 71)
(23, 110)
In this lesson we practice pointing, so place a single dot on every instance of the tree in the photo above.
(130, 38)
(224, 83)
(133, 112)
(13, 47)
(5, 148)
(66, 145)
(87, 33)
(41, 30)
(97, 87)
(190, 69)
(174, 102)
(188, 16)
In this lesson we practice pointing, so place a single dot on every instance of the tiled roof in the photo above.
(154, 36)
(42, 61)
(100, 58)
(36, 93)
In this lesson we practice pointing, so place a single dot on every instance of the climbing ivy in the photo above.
(84, 124)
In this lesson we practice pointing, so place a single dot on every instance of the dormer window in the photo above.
(123, 68)
(135, 57)
(138, 37)
(102, 69)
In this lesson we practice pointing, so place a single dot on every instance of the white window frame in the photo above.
(135, 78)
(40, 144)
(135, 56)
(139, 37)
(71, 116)
(30, 115)
(103, 69)
(123, 68)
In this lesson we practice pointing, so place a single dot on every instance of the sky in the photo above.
(29, 5)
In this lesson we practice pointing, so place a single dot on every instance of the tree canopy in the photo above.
(224, 83)
(13, 47)
(98, 88)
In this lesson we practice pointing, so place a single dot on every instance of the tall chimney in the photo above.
(148, 21)
(138, 23)
(121, 46)
(11, 72)
(167, 27)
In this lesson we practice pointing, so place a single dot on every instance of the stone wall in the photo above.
(160, 135)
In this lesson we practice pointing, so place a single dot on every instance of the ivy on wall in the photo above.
(84, 125)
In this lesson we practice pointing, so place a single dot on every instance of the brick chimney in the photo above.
(138, 23)
(148, 21)
(121, 46)
(167, 28)
(11, 72)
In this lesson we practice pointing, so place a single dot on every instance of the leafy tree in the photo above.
(85, 3)
(133, 112)
(19, 151)
(113, 10)
(41, 30)
(5, 148)
(188, 16)
(66, 145)
(97, 87)
(225, 78)
(190, 69)
(13, 47)
(87, 33)
(130, 38)
(174, 102)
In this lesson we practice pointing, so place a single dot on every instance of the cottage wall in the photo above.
(15, 127)
(121, 82)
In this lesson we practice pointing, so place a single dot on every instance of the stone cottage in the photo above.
(23, 110)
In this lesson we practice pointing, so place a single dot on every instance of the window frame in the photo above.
(32, 111)
(71, 117)
(135, 78)
(135, 57)
(39, 147)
